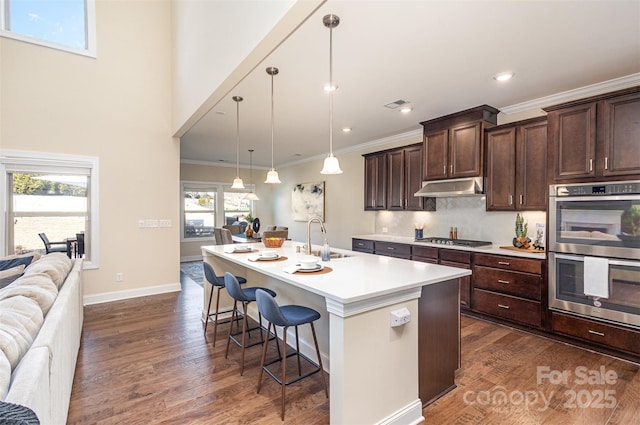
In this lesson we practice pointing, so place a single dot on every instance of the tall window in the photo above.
(62, 24)
(50, 194)
(209, 205)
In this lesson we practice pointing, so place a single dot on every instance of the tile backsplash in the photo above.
(466, 213)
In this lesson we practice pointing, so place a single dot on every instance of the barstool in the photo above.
(286, 316)
(216, 282)
(245, 296)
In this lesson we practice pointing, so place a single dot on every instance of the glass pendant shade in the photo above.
(251, 197)
(331, 165)
(272, 177)
(237, 183)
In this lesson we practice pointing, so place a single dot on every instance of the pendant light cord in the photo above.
(331, 89)
(272, 122)
(238, 138)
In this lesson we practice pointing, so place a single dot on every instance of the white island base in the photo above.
(374, 369)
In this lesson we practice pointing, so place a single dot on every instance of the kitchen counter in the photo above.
(489, 249)
(356, 299)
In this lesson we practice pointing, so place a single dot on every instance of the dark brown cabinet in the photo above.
(595, 137)
(392, 249)
(460, 259)
(399, 176)
(517, 166)
(509, 288)
(603, 334)
(375, 181)
(453, 144)
(362, 245)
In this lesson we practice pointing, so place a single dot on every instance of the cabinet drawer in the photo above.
(393, 249)
(600, 333)
(507, 307)
(509, 263)
(424, 252)
(508, 282)
(362, 245)
(456, 256)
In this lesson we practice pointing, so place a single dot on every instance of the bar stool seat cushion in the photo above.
(250, 293)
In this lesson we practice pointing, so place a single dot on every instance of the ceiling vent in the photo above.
(396, 104)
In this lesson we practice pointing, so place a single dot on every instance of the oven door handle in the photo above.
(625, 263)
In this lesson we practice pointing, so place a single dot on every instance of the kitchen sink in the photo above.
(332, 254)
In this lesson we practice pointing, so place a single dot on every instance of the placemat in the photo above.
(530, 250)
(282, 258)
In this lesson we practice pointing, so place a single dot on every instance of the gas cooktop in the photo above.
(455, 242)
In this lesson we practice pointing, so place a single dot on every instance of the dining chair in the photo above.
(223, 236)
(79, 245)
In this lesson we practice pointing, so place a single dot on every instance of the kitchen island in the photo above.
(373, 367)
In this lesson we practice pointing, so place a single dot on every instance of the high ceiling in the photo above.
(440, 56)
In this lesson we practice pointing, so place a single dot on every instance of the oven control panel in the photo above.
(597, 189)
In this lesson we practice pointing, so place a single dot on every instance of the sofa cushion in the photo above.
(37, 286)
(57, 265)
(20, 321)
(9, 275)
(5, 375)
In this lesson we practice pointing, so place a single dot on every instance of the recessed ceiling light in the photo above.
(346, 130)
(504, 76)
(406, 109)
(396, 104)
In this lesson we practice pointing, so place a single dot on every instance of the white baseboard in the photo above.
(130, 293)
(411, 414)
(190, 258)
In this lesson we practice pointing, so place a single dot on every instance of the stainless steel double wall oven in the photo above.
(594, 250)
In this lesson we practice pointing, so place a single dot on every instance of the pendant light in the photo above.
(331, 164)
(251, 196)
(272, 175)
(237, 182)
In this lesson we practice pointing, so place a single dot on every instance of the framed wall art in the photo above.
(307, 200)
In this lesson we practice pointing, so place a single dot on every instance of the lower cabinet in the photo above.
(509, 288)
(604, 334)
(393, 249)
(460, 259)
(362, 245)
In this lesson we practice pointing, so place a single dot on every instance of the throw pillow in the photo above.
(13, 262)
(20, 321)
(9, 275)
(36, 286)
(5, 375)
(34, 254)
(56, 265)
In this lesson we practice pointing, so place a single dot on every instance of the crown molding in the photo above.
(579, 93)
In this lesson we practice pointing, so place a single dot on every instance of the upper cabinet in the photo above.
(401, 177)
(375, 181)
(517, 166)
(453, 143)
(596, 137)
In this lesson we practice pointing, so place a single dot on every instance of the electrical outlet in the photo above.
(119, 277)
(385, 230)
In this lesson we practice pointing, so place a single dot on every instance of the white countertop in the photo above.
(358, 277)
(489, 249)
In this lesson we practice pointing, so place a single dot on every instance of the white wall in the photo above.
(117, 108)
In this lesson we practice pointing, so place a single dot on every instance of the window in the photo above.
(61, 24)
(55, 195)
(209, 205)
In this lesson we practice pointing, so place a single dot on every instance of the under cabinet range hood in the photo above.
(472, 186)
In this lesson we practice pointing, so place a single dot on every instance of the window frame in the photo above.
(90, 31)
(219, 189)
(10, 160)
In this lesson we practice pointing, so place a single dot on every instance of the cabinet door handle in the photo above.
(444, 170)
(391, 248)
(590, 164)
(510, 199)
(506, 307)
(521, 199)
(596, 333)
(503, 263)
(606, 163)
(506, 282)
(451, 169)
(360, 244)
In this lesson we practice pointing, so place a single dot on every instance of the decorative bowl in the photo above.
(273, 242)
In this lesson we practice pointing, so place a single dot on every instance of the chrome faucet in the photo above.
(307, 247)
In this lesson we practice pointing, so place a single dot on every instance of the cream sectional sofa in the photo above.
(41, 316)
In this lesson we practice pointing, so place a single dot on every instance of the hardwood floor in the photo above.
(146, 361)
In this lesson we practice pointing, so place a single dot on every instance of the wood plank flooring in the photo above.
(146, 361)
